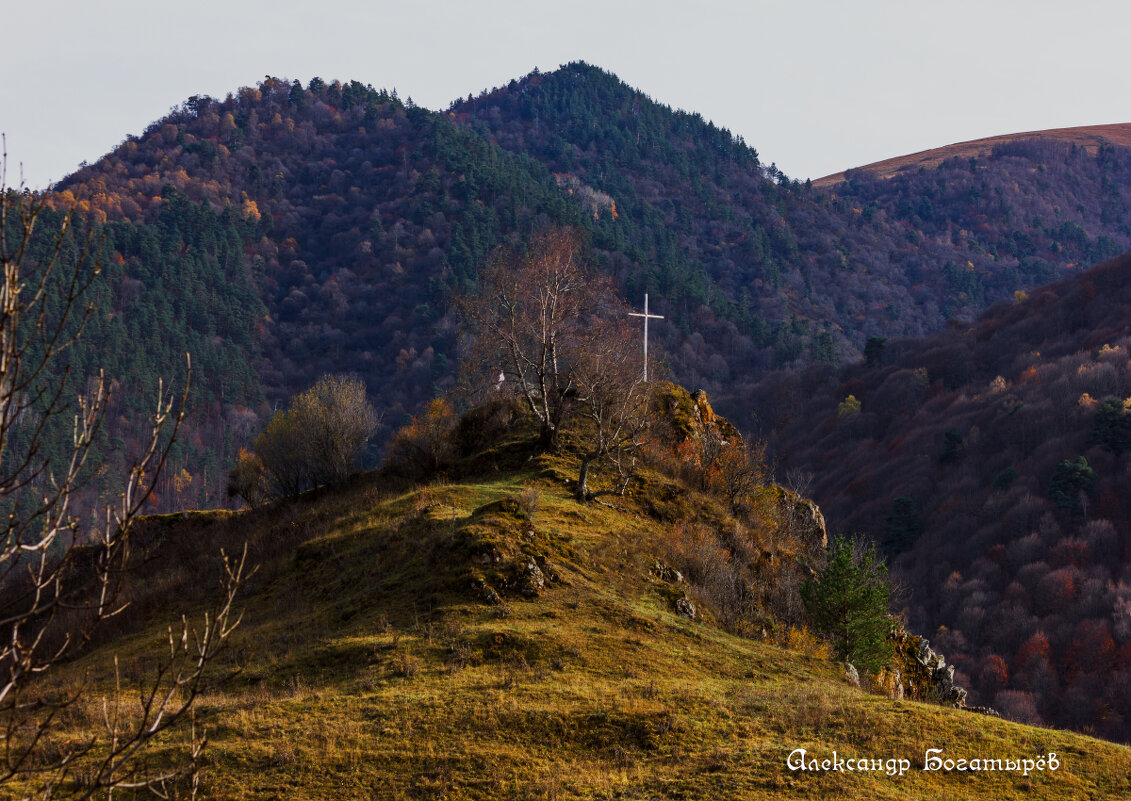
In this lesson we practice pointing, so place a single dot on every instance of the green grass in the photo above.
(374, 668)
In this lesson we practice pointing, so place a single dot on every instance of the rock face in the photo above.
(803, 516)
(685, 608)
(531, 581)
(704, 412)
(665, 572)
(921, 673)
(851, 674)
(690, 414)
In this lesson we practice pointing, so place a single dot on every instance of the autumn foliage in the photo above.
(990, 460)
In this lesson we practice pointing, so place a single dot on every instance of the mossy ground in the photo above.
(374, 667)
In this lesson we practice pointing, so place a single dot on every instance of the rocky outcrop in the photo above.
(690, 414)
(505, 552)
(799, 517)
(919, 673)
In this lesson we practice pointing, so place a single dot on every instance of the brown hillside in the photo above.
(1090, 137)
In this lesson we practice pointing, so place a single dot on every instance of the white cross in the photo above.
(646, 317)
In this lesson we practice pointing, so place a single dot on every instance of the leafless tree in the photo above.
(612, 399)
(530, 311)
(61, 581)
(560, 337)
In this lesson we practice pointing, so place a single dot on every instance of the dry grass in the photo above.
(373, 669)
(1089, 137)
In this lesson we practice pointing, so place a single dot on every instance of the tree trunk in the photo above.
(583, 478)
(548, 438)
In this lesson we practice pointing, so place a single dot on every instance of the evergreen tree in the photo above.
(1072, 480)
(902, 525)
(849, 602)
(1112, 427)
(874, 351)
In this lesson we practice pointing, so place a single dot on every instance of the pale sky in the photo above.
(815, 86)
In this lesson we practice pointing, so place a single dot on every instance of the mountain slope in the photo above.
(374, 666)
(368, 212)
(364, 217)
(372, 213)
(961, 451)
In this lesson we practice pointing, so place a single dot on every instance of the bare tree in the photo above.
(61, 581)
(531, 309)
(559, 336)
(612, 399)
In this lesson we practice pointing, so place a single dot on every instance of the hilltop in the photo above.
(487, 636)
(1089, 137)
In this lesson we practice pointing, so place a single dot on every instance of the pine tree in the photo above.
(849, 602)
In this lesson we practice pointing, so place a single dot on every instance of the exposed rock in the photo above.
(984, 710)
(685, 608)
(925, 674)
(531, 580)
(703, 410)
(486, 592)
(490, 555)
(666, 572)
(808, 517)
(800, 516)
(691, 415)
(851, 674)
(546, 568)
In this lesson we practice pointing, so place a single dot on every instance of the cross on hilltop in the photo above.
(646, 317)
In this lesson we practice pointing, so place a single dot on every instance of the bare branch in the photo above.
(59, 581)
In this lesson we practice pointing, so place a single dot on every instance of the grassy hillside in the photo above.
(377, 666)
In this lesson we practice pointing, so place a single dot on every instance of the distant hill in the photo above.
(1090, 137)
(991, 460)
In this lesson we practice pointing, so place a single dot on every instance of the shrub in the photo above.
(248, 479)
(426, 445)
(530, 499)
(484, 425)
(319, 438)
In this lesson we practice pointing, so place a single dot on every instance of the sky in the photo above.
(815, 87)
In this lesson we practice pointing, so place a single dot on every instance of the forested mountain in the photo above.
(991, 459)
(373, 211)
(362, 217)
(785, 272)
(167, 287)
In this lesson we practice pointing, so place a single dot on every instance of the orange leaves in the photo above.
(1036, 647)
(426, 444)
(249, 209)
